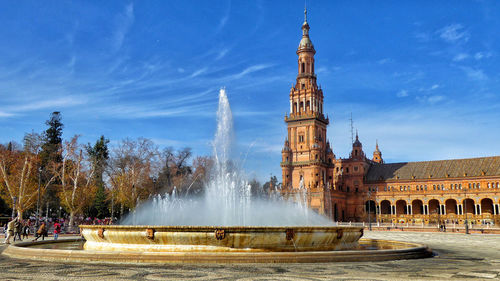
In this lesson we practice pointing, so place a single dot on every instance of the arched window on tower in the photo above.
(303, 68)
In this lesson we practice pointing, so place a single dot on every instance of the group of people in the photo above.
(17, 227)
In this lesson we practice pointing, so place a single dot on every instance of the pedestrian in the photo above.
(10, 230)
(26, 230)
(41, 232)
(18, 229)
(57, 229)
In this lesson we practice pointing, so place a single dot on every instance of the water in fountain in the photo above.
(227, 198)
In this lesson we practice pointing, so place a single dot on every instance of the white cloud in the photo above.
(123, 23)
(198, 72)
(422, 37)
(5, 114)
(384, 61)
(474, 74)
(482, 55)
(249, 70)
(454, 33)
(460, 57)
(402, 94)
(435, 99)
(222, 53)
(435, 86)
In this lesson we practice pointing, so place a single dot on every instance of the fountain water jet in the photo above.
(227, 198)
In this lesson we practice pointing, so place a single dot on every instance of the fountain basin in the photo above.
(218, 239)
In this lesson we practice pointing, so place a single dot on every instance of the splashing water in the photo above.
(227, 199)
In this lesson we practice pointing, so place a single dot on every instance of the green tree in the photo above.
(52, 139)
(50, 155)
(99, 155)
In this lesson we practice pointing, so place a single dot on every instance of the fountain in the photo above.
(225, 219)
(225, 225)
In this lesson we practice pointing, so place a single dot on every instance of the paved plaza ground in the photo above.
(459, 257)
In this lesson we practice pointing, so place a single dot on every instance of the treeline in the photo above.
(47, 175)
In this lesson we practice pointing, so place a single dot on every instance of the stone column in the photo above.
(479, 207)
(444, 209)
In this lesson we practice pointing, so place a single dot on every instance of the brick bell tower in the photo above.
(306, 155)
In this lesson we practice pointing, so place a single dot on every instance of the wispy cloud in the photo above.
(123, 23)
(249, 70)
(454, 33)
(474, 73)
(222, 53)
(402, 94)
(198, 72)
(460, 57)
(384, 61)
(422, 36)
(482, 55)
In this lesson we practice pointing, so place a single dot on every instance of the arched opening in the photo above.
(303, 68)
(308, 105)
(370, 206)
(469, 206)
(433, 206)
(417, 207)
(401, 207)
(295, 107)
(451, 206)
(487, 205)
(301, 106)
(385, 207)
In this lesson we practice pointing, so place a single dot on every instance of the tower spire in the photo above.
(305, 11)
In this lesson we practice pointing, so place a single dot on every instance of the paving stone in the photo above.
(459, 257)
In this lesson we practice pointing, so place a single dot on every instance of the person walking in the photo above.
(26, 230)
(41, 232)
(18, 229)
(10, 230)
(57, 229)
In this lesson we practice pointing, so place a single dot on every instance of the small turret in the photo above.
(357, 148)
(377, 155)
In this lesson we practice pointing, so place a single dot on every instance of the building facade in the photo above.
(358, 187)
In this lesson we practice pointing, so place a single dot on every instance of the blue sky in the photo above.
(422, 77)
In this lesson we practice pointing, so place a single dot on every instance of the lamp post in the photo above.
(38, 200)
(369, 211)
(465, 209)
(439, 217)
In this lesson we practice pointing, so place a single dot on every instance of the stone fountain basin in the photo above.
(218, 239)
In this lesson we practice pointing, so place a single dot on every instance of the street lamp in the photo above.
(465, 209)
(369, 211)
(38, 200)
(439, 217)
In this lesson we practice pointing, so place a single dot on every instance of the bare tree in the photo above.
(75, 174)
(131, 171)
(18, 174)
